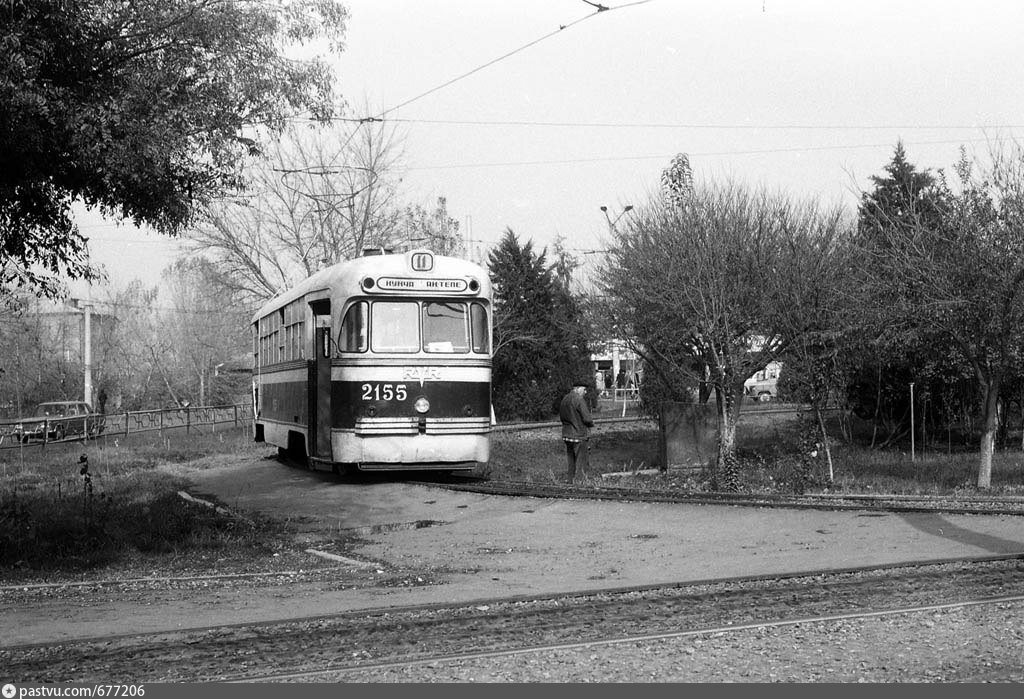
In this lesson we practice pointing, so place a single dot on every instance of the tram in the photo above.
(378, 363)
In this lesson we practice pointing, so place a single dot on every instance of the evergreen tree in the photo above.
(905, 209)
(539, 347)
(904, 200)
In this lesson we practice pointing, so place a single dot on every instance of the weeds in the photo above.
(113, 504)
(769, 463)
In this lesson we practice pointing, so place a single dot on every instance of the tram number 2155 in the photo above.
(384, 391)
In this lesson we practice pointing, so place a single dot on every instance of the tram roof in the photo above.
(347, 274)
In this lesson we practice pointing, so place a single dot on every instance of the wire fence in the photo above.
(39, 432)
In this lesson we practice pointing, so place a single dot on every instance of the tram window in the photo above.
(394, 326)
(481, 339)
(445, 327)
(352, 336)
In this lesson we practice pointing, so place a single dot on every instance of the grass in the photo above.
(80, 507)
(768, 463)
(124, 509)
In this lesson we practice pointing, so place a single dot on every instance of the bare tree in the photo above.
(203, 332)
(319, 197)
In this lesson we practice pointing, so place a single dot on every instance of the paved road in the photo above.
(473, 547)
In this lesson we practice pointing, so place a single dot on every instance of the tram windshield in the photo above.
(436, 327)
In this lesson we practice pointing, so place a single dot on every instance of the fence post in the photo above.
(127, 420)
(235, 407)
(188, 420)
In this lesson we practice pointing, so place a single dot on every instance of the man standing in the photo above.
(576, 424)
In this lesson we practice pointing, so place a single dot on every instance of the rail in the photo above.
(38, 432)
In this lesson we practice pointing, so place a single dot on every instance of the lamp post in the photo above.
(911, 421)
(611, 223)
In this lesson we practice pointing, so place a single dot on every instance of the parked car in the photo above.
(58, 420)
(764, 385)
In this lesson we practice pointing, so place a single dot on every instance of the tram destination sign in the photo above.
(423, 285)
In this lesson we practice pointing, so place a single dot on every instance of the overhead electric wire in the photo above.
(766, 151)
(561, 28)
(724, 127)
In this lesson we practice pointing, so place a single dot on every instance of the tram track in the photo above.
(357, 642)
(965, 505)
(338, 673)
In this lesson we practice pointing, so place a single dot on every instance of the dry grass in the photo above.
(768, 460)
(74, 507)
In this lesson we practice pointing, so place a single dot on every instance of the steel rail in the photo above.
(642, 638)
(516, 599)
(1010, 505)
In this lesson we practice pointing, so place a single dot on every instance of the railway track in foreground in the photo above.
(353, 646)
(986, 505)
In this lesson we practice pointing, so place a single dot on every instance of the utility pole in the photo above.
(911, 421)
(87, 351)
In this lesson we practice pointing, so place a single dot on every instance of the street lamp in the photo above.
(611, 223)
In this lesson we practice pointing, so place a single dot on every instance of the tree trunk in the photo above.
(990, 425)
(727, 468)
(824, 441)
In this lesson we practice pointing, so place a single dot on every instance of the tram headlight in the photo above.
(368, 283)
(421, 405)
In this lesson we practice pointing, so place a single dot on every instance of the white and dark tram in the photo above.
(378, 363)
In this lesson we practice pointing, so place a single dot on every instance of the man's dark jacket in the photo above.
(575, 416)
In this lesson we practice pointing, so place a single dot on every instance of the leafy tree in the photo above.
(905, 199)
(905, 204)
(435, 230)
(711, 287)
(537, 350)
(140, 109)
(963, 281)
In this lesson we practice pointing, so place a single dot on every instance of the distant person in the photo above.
(576, 424)
(608, 381)
(620, 380)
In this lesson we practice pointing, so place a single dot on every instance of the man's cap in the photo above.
(581, 382)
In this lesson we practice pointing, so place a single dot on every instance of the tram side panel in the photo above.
(284, 405)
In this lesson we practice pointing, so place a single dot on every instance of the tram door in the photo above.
(320, 388)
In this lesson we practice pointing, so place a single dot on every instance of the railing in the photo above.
(630, 395)
(32, 432)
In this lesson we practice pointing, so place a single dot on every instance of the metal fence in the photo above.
(38, 432)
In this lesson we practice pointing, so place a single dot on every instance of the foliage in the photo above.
(140, 109)
(151, 346)
(973, 311)
(884, 359)
(713, 286)
(435, 230)
(540, 343)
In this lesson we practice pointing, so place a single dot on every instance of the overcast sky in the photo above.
(523, 125)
